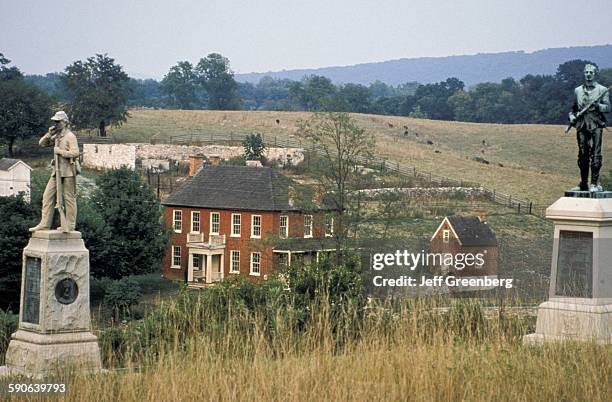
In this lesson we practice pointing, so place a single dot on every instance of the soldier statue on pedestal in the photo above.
(591, 101)
(60, 192)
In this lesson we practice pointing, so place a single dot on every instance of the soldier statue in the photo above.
(60, 192)
(591, 101)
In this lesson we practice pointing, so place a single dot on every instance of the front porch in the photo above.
(206, 260)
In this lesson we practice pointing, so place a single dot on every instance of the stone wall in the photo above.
(107, 156)
(430, 192)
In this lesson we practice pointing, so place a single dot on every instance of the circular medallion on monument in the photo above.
(66, 291)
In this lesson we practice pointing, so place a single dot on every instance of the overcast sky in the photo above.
(147, 37)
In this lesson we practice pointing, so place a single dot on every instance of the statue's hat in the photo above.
(59, 116)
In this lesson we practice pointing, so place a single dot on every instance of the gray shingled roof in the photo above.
(472, 232)
(7, 163)
(234, 187)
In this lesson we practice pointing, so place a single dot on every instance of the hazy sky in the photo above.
(147, 37)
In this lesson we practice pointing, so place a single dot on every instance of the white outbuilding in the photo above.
(14, 177)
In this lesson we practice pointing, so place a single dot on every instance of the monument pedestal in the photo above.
(54, 318)
(580, 295)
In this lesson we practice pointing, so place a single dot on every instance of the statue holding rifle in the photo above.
(591, 101)
(60, 192)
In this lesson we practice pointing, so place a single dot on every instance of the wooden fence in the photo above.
(521, 205)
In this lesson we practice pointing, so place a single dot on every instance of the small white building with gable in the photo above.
(14, 177)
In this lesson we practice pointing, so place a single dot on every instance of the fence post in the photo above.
(510, 200)
(158, 185)
(530, 205)
(519, 208)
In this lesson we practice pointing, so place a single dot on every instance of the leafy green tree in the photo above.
(16, 216)
(181, 87)
(357, 98)
(433, 98)
(312, 93)
(24, 109)
(99, 90)
(254, 147)
(216, 77)
(136, 238)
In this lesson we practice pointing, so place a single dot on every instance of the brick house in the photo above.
(467, 234)
(231, 220)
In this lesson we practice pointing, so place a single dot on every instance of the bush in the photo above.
(121, 295)
(17, 216)
(8, 325)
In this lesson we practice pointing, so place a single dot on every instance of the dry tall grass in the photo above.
(407, 351)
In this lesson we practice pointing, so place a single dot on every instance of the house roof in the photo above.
(7, 163)
(470, 231)
(234, 187)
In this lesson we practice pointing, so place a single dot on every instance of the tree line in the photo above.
(97, 93)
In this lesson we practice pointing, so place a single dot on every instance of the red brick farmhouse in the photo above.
(236, 220)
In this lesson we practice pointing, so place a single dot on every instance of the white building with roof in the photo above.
(14, 177)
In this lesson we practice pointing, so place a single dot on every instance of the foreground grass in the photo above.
(210, 347)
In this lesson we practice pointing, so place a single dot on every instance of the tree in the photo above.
(312, 93)
(136, 237)
(254, 147)
(181, 86)
(99, 90)
(16, 216)
(24, 109)
(433, 98)
(216, 77)
(345, 147)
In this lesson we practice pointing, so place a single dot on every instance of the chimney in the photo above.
(482, 215)
(195, 164)
(254, 163)
(214, 160)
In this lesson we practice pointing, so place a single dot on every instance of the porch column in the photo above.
(289, 260)
(190, 266)
(208, 268)
(221, 267)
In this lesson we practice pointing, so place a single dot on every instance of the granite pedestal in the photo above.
(54, 318)
(580, 295)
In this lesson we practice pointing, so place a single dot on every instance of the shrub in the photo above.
(121, 296)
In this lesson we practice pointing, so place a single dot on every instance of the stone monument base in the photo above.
(37, 355)
(54, 319)
(560, 321)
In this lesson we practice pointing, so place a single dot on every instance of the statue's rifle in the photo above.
(586, 108)
(59, 191)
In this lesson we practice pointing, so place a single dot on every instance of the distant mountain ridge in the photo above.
(471, 69)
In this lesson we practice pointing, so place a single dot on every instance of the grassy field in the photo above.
(535, 162)
(394, 352)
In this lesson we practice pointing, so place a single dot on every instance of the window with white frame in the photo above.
(329, 225)
(176, 256)
(255, 263)
(235, 261)
(307, 225)
(177, 220)
(236, 225)
(195, 222)
(445, 235)
(283, 230)
(256, 226)
(195, 261)
(215, 220)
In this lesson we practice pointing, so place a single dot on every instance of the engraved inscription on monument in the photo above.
(31, 294)
(66, 291)
(575, 264)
